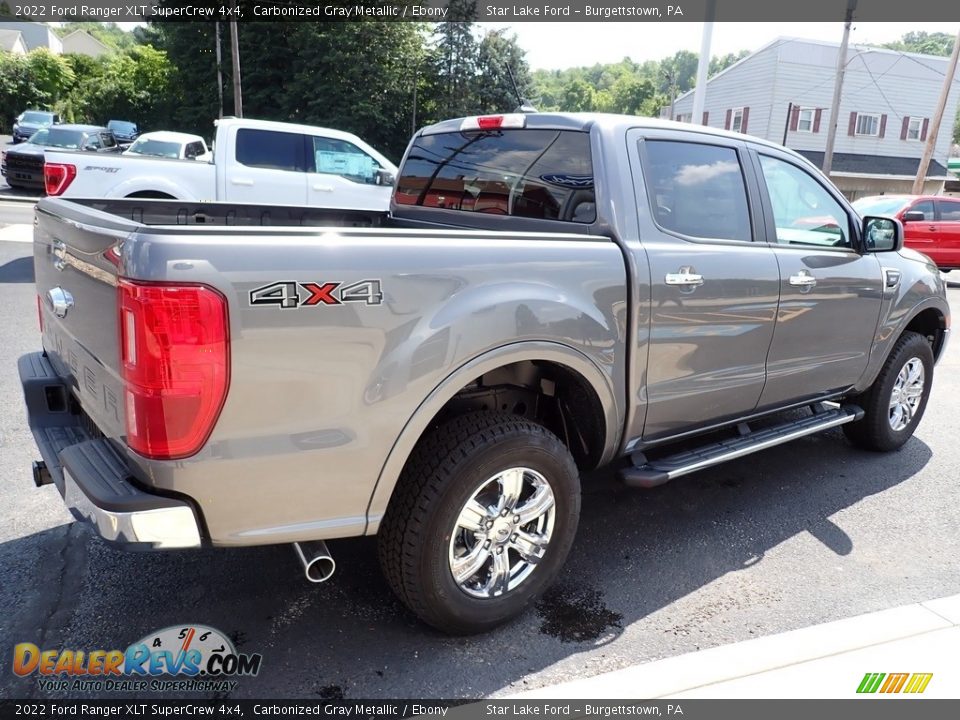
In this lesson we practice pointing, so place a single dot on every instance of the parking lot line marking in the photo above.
(17, 233)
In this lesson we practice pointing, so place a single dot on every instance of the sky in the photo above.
(560, 45)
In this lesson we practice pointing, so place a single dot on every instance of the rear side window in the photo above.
(697, 190)
(270, 150)
(541, 174)
(108, 140)
(950, 210)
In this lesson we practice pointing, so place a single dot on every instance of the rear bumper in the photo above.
(92, 476)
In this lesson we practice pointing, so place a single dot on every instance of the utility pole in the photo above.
(219, 70)
(837, 88)
(786, 125)
(235, 52)
(934, 128)
(703, 65)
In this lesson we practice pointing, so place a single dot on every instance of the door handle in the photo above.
(241, 181)
(803, 279)
(932, 227)
(323, 188)
(685, 278)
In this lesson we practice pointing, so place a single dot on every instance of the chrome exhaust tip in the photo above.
(318, 563)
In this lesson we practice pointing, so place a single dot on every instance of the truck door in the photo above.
(922, 235)
(267, 168)
(713, 287)
(342, 175)
(949, 233)
(830, 293)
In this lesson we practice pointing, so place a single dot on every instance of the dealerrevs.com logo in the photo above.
(179, 658)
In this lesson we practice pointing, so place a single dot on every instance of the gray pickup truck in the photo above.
(549, 293)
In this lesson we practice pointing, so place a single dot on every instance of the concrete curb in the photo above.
(911, 638)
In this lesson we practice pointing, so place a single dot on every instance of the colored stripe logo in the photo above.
(913, 683)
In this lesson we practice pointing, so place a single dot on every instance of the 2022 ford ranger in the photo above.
(549, 293)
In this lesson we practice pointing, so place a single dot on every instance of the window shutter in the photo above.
(726, 123)
(816, 120)
(746, 116)
(904, 127)
(794, 119)
(706, 117)
(852, 127)
(923, 130)
(883, 125)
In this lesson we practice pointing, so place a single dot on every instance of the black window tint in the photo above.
(803, 211)
(543, 174)
(926, 207)
(950, 211)
(697, 190)
(269, 149)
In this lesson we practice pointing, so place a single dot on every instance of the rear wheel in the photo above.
(895, 403)
(481, 522)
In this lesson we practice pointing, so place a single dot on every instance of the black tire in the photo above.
(446, 468)
(874, 431)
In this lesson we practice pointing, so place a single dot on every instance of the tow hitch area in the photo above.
(41, 476)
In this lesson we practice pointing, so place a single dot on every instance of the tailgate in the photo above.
(76, 257)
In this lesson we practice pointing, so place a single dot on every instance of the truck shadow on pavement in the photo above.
(17, 271)
(638, 563)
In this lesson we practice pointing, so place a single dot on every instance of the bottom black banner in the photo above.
(874, 709)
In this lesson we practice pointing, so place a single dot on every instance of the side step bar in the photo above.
(657, 472)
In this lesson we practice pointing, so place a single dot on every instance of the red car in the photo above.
(931, 223)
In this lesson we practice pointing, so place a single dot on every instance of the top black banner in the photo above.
(647, 11)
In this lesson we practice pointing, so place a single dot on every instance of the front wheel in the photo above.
(895, 402)
(481, 522)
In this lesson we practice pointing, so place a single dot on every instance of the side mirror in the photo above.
(913, 216)
(90, 147)
(883, 234)
(385, 177)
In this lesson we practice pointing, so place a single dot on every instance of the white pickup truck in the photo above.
(255, 161)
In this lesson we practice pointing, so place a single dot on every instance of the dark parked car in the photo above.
(23, 166)
(124, 130)
(29, 121)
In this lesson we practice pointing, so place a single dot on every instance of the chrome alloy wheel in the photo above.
(502, 532)
(906, 394)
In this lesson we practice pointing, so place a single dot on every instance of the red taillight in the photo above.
(57, 177)
(40, 312)
(175, 364)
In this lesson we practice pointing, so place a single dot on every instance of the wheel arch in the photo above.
(583, 370)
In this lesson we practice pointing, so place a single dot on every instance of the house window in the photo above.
(685, 117)
(736, 120)
(913, 128)
(805, 120)
(868, 125)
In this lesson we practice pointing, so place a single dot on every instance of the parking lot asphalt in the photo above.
(805, 533)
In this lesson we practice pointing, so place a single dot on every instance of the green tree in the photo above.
(578, 96)
(722, 62)
(938, 43)
(50, 75)
(453, 62)
(498, 55)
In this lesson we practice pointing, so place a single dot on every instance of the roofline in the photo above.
(783, 39)
(99, 42)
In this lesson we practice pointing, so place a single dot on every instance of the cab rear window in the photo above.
(542, 174)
